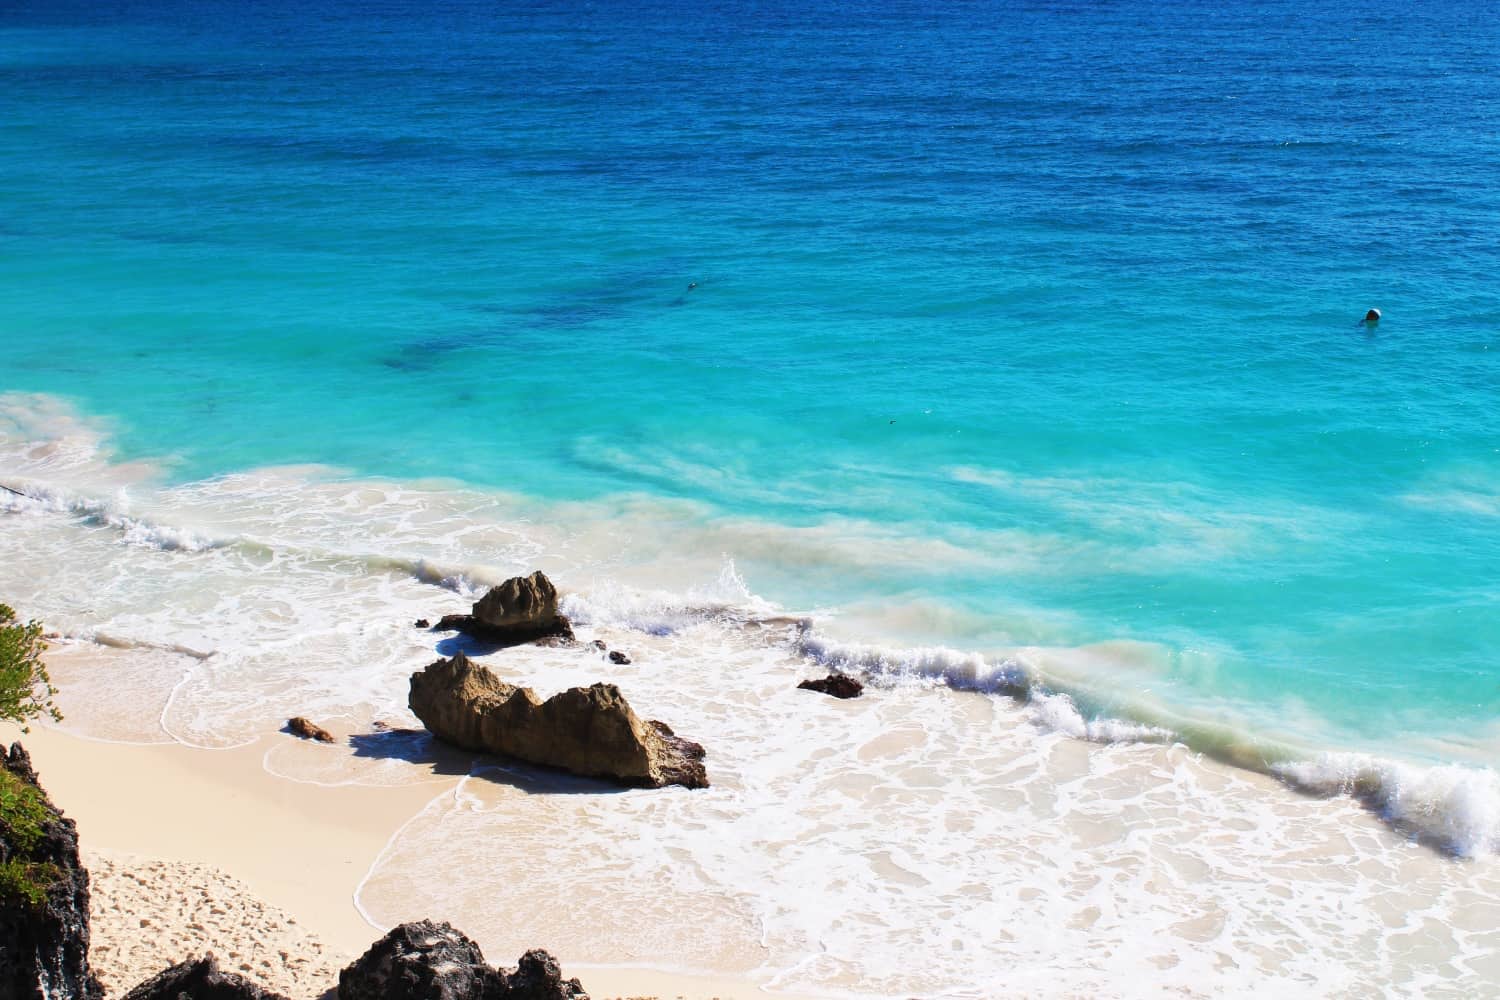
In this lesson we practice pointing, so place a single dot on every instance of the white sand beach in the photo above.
(192, 851)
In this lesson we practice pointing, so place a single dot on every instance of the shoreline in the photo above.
(1069, 686)
(1065, 878)
(301, 849)
(934, 838)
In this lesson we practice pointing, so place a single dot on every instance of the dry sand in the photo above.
(149, 914)
(193, 851)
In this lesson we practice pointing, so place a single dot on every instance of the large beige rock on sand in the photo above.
(589, 731)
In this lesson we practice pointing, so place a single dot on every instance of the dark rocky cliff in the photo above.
(44, 894)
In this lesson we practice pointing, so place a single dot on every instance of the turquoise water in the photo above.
(1047, 312)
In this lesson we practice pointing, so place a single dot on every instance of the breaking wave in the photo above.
(1450, 806)
(97, 513)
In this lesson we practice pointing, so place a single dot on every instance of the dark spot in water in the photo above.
(423, 355)
(571, 315)
(452, 342)
(682, 299)
(607, 298)
(413, 363)
(611, 296)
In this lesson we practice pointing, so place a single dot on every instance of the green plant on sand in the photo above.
(25, 689)
(25, 693)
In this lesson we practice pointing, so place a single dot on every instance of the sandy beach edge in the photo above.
(301, 849)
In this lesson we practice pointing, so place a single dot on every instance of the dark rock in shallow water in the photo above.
(298, 726)
(525, 602)
(423, 623)
(200, 979)
(427, 961)
(616, 656)
(522, 609)
(558, 640)
(838, 685)
(590, 731)
(559, 632)
(44, 941)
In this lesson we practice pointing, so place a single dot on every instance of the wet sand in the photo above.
(194, 850)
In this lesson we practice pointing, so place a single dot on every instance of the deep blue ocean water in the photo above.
(1048, 310)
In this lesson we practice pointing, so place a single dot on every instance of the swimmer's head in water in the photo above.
(1373, 316)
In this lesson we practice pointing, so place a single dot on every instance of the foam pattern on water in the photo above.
(925, 841)
(967, 827)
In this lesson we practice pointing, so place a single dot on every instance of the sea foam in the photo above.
(1451, 806)
(977, 808)
(1454, 807)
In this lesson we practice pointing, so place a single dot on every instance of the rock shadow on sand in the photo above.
(469, 645)
(413, 746)
(422, 749)
(534, 779)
